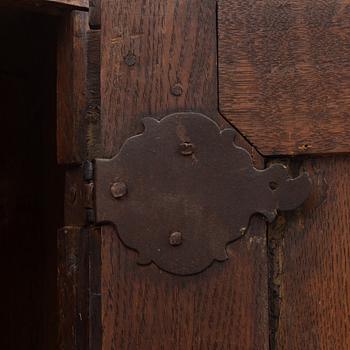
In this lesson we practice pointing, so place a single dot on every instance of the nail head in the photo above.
(118, 189)
(186, 148)
(130, 59)
(177, 90)
(175, 239)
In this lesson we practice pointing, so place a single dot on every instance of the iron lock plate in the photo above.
(182, 190)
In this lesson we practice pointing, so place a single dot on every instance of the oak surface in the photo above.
(73, 288)
(224, 307)
(159, 57)
(314, 277)
(72, 87)
(284, 73)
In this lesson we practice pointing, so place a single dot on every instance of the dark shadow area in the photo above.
(31, 183)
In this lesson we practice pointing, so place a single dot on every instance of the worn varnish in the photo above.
(92, 115)
(159, 57)
(314, 278)
(284, 78)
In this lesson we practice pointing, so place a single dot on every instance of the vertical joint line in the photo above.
(88, 175)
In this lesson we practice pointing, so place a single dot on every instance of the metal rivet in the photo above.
(177, 90)
(243, 230)
(175, 239)
(186, 148)
(130, 59)
(119, 189)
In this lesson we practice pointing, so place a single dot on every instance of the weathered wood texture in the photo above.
(95, 264)
(79, 288)
(71, 87)
(73, 277)
(61, 4)
(149, 50)
(284, 77)
(93, 111)
(95, 14)
(78, 89)
(224, 307)
(314, 251)
(159, 57)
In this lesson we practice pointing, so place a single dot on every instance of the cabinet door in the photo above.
(158, 58)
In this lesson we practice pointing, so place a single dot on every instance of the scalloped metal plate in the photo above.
(182, 190)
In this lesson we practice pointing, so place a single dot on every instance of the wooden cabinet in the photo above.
(275, 71)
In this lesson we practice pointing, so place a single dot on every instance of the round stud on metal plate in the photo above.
(118, 189)
(175, 239)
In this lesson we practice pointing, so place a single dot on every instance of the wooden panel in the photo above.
(284, 73)
(224, 307)
(78, 89)
(93, 111)
(158, 57)
(72, 247)
(95, 317)
(314, 278)
(71, 87)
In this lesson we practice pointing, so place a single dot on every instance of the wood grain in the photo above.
(92, 118)
(284, 78)
(159, 57)
(71, 87)
(73, 276)
(224, 307)
(95, 265)
(314, 276)
(148, 48)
